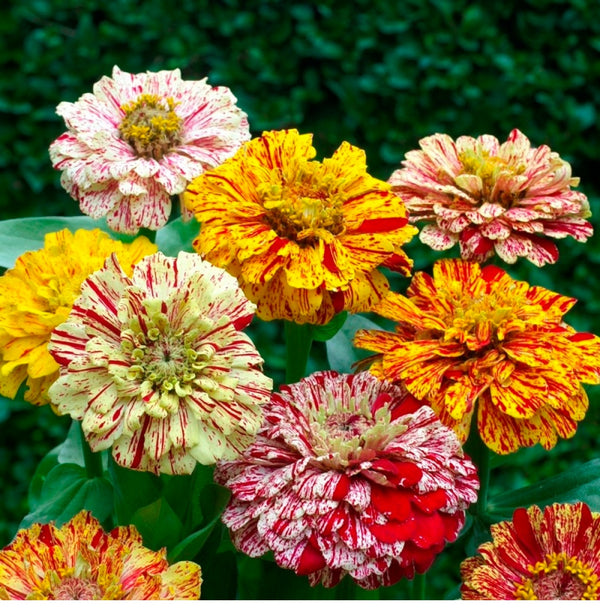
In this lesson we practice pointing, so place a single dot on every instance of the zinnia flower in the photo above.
(349, 475)
(303, 237)
(156, 367)
(554, 555)
(36, 296)
(508, 198)
(79, 561)
(471, 335)
(141, 138)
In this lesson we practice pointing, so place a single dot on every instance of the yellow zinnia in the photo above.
(37, 295)
(304, 238)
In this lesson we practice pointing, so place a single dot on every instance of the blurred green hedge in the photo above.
(376, 73)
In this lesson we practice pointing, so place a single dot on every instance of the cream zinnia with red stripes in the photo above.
(156, 366)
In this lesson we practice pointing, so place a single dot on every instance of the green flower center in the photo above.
(559, 577)
(168, 363)
(345, 433)
(151, 126)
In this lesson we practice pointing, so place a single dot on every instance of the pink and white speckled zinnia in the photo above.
(156, 367)
(506, 198)
(140, 138)
(349, 475)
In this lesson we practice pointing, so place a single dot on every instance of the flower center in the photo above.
(307, 208)
(559, 577)
(165, 361)
(77, 589)
(343, 433)
(151, 126)
(491, 169)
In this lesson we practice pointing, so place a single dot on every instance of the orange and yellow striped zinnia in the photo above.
(472, 338)
(304, 238)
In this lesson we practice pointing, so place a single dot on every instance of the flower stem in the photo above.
(480, 454)
(419, 585)
(298, 341)
(93, 460)
(345, 589)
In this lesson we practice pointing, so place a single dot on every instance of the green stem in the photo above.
(419, 584)
(93, 460)
(298, 341)
(480, 454)
(149, 234)
(345, 589)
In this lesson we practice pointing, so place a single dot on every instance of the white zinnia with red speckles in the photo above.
(156, 367)
(490, 197)
(349, 475)
(140, 138)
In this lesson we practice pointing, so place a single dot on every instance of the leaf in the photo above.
(177, 236)
(66, 491)
(27, 234)
(47, 463)
(341, 353)
(213, 500)
(322, 333)
(189, 547)
(70, 449)
(133, 490)
(580, 483)
(158, 524)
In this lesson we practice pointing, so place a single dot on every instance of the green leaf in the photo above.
(70, 449)
(580, 483)
(213, 500)
(66, 491)
(158, 524)
(27, 234)
(177, 236)
(133, 490)
(190, 546)
(47, 463)
(341, 353)
(322, 333)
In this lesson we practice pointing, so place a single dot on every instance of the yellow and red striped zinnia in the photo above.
(473, 339)
(304, 238)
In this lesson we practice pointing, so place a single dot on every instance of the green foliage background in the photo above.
(378, 74)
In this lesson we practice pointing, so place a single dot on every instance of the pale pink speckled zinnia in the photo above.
(156, 366)
(506, 198)
(349, 475)
(140, 138)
